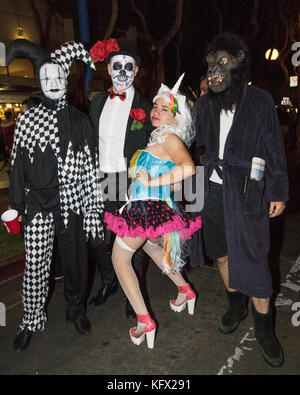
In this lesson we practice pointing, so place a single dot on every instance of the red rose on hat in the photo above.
(98, 52)
(102, 49)
(112, 45)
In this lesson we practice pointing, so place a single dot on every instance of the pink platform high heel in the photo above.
(190, 300)
(149, 331)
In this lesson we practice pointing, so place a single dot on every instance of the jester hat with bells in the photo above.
(63, 56)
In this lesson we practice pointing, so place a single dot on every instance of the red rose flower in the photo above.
(98, 52)
(112, 45)
(139, 117)
(102, 49)
(138, 114)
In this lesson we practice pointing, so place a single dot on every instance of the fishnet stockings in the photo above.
(122, 253)
(121, 259)
(155, 251)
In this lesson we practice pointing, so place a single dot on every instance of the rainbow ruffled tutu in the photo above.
(151, 212)
(150, 219)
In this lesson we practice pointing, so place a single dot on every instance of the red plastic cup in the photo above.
(10, 218)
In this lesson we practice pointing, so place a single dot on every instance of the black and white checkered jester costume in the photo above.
(53, 185)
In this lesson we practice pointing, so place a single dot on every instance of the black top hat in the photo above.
(127, 47)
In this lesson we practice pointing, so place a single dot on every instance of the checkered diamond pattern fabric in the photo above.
(69, 51)
(92, 199)
(77, 174)
(70, 183)
(38, 235)
(77, 190)
(37, 126)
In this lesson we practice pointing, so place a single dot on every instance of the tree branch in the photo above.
(147, 35)
(178, 57)
(38, 20)
(254, 19)
(113, 19)
(220, 15)
(175, 27)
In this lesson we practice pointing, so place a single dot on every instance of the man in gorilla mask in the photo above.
(237, 131)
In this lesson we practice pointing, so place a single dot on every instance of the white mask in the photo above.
(123, 70)
(53, 81)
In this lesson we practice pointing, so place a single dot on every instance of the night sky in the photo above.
(260, 28)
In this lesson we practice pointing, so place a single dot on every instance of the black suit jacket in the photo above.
(134, 140)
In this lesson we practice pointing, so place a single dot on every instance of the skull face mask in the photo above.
(122, 69)
(53, 81)
(220, 65)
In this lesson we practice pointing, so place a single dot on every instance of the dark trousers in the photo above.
(73, 258)
(56, 267)
(214, 233)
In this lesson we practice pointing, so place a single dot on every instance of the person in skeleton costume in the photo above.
(151, 219)
(121, 122)
(53, 187)
(246, 184)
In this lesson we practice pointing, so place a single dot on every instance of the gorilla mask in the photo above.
(220, 66)
(228, 69)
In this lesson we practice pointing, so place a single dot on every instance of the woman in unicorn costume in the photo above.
(151, 219)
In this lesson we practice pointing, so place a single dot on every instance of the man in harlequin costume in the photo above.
(121, 122)
(246, 184)
(53, 188)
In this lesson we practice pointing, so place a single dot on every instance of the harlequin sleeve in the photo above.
(277, 186)
(16, 176)
(93, 203)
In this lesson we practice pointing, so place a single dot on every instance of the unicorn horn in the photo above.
(177, 85)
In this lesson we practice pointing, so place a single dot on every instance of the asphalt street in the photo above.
(185, 345)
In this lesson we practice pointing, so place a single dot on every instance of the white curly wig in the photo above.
(184, 126)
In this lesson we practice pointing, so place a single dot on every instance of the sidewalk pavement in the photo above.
(185, 345)
(11, 267)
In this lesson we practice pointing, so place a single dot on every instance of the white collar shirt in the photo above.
(112, 131)
(226, 119)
